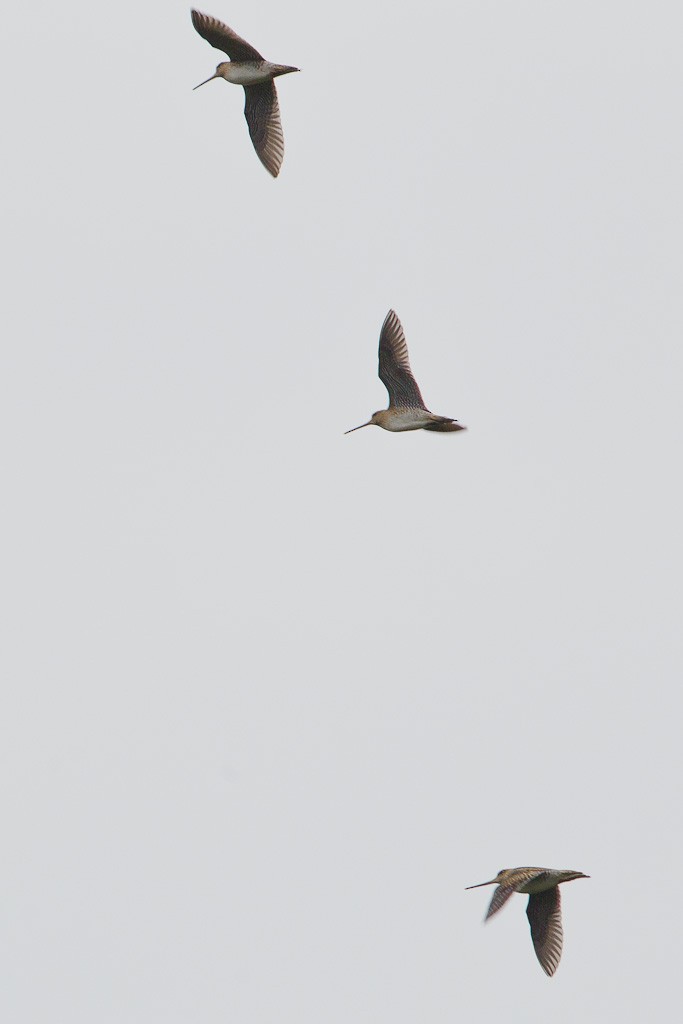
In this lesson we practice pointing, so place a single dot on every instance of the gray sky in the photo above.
(276, 695)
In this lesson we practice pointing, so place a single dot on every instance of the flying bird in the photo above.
(543, 908)
(247, 68)
(407, 410)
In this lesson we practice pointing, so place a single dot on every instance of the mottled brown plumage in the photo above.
(543, 909)
(394, 366)
(407, 410)
(224, 38)
(249, 69)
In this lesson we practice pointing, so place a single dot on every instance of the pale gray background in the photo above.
(274, 695)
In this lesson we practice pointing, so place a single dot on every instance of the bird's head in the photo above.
(219, 74)
(375, 420)
(502, 875)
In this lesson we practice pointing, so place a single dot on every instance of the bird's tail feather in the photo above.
(445, 424)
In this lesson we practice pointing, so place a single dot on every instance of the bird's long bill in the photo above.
(479, 884)
(368, 424)
(204, 82)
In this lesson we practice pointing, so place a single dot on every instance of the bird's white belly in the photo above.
(536, 885)
(406, 419)
(246, 74)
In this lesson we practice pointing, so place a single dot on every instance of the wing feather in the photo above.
(500, 897)
(394, 366)
(545, 918)
(262, 112)
(223, 38)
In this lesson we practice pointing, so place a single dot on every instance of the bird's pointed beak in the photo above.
(204, 82)
(479, 884)
(368, 424)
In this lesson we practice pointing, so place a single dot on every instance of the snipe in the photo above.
(543, 908)
(407, 410)
(247, 68)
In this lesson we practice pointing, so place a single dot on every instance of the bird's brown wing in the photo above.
(501, 895)
(263, 117)
(394, 366)
(223, 38)
(545, 918)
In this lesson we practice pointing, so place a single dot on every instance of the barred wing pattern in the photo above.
(223, 38)
(545, 919)
(500, 897)
(262, 112)
(394, 366)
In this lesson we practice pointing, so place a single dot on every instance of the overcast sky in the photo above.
(274, 696)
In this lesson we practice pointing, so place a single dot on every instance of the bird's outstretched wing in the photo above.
(263, 117)
(545, 919)
(223, 38)
(394, 366)
(500, 897)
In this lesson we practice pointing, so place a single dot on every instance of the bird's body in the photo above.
(406, 419)
(407, 410)
(247, 68)
(252, 72)
(543, 908)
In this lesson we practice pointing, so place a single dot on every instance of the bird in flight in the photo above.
(407, 410)
(543, 908)
(247, 68)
